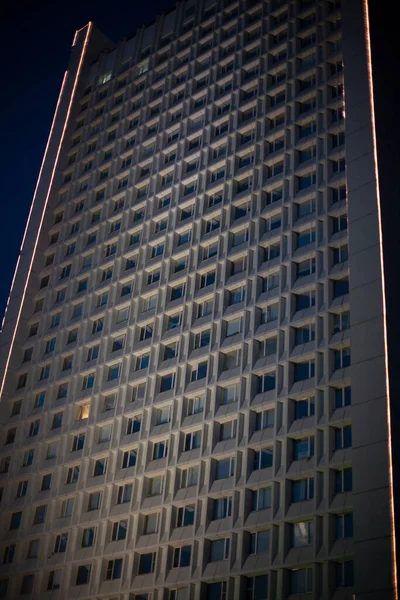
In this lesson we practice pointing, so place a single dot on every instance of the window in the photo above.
(189, 477)
(22, 489)
(343, 480)
(8, 555)
(73, 474)
(204, 308)
(202, 339)
(195, 405)
(114, 372)
(343, 437)
(5, 464)
(181, 557)
(303, 489)
(343, 397)
(124, 493)
(100, 467)
(83, 412)
(263, 458)
(119, 530)
(174, 321)
(83, 575)
(15, 520)
(304, 408)
(266, 383)
(88, 537)
(88, 381)
(207, 279)
(257, 587)
(236, 295)
(265, 419)
(301, 581)
(222, 508)
(261, 499)
(270, 313)
(217, 591)
(133, 425)
(225, 468)
(105, 433)
(34, 428)
(147, 563)
(54, 581)
(219, 549)
(341, 321)
(344, 526)
(259, 542)
(114, 569)
(185, 516)
(230, 394)
(192, 440)
(304, 334)
(160, 450)
(303, 448)
(61, 543)
(46, 482)
(28, 457)
(150, 524)
(94, 501)
(344, 573)
(342, 358)
(199, 371)
(302, 534)
(40, 514)
(129, 459)
(155, 486)
(78, 442)
(233, 327)
(67, 507)
(304, 370)
(27, 584)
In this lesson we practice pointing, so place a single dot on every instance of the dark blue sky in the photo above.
(35, 41)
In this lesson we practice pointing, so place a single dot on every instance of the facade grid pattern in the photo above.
(180, 424)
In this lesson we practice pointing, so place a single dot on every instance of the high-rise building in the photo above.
(194, 368)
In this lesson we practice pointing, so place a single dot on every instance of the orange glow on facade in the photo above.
(372, 105)
(89, 29)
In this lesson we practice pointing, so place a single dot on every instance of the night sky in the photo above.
(35, 42)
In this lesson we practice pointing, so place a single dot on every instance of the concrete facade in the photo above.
(194, 369)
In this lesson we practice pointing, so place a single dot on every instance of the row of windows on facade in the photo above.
(301, 237)
(245, 34)
(275, 41)
(264, 105)
(332, 117)
(298, 449)
(295, 272)
(299, 580)
(237, 234)
(335, 116)
(260, 348)
(298, 301)
(243, 20)
(298, 371)
(177, 109)
(301, 534)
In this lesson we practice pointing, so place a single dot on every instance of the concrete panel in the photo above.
(372, 569)
(373, 416)
(371, 466)
(358, 144)
(369, 381)
(375, 502)
(366, 310)
(365, 265)
(367, 342)
(362, 171)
